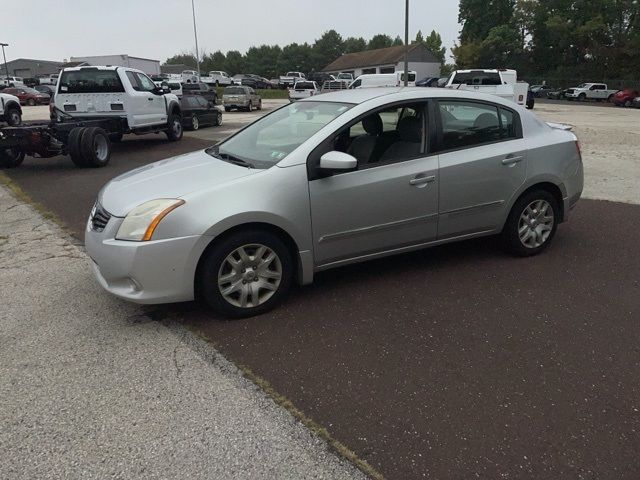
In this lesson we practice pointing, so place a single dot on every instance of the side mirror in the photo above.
(337, 161)
(164, 87)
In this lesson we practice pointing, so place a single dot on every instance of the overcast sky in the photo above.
(59, 29)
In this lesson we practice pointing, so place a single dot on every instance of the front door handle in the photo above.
(419, 181)
(512, 159)
(150, 99)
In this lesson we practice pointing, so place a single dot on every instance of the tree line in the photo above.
(272, 60)
(560, 39)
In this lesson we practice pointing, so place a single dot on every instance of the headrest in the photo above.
(486, 120)
(410, 129)
(372, 124)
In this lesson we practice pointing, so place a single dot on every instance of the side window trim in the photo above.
(439, 130)
(426, 143)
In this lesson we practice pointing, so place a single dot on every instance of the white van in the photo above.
(501, 82)
(383, 80)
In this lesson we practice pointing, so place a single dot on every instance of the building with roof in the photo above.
(147, 65)
(30, 68)
(387, 60)
(175, 68)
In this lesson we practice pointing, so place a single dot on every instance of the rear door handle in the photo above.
(421, 180)
(512, 159)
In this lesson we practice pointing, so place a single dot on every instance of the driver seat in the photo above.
(363, 146)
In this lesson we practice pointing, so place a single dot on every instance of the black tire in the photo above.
(530, 104)
(95, 147)
(260, 105)
(174, 127)
(73, 146)
(582, 97)
(11, 157)
(214, 260)
(227, 109)
(195, 122)
(115, 137)
(510, 233)
(31, 102)
(250, 106)
(218, 121)
(13, 117)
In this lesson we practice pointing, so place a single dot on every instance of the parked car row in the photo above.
(589, 91)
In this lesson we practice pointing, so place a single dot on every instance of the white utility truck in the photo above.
(303, 89)
(500, 82)
(590, 91)
(92, 107)
(217, 77)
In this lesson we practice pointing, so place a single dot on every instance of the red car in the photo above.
(28, 96)
(624, 98)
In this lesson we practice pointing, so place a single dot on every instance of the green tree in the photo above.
(234, 63)
(419, 37)
(397, 41)
(434, 44)
(478, 17)
(379, 41)
(213, 61)
(353, 44)
(327, 49)
(182, 59)
(296, 57)
(262, 60)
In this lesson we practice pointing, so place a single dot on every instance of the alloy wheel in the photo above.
(250, 275)
(536, 224)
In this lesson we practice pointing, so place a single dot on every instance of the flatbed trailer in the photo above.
(86, 141)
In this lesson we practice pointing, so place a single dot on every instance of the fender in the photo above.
(530, 182)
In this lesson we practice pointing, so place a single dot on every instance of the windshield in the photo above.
(274, 136)
(90, 81)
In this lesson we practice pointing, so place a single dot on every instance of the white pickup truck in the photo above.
(10, 111)
(290, 79)
(303, 89)
(590, 91)
(50, 79)
(125, 93)
(217, 77)
(500, 82)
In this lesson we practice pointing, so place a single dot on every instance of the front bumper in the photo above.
(158, 271)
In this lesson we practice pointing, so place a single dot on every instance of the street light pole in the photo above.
(195, 34)
(406, 44)
(6, 67)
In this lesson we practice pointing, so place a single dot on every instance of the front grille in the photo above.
(570, 91)
(99, 218)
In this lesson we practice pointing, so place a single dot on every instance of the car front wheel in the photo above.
(532, 223)
(247, 273)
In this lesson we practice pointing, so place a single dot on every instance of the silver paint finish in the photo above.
(344, 218)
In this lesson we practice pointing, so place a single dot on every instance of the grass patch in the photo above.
(339, 448)
(265, 94)
(21, 195)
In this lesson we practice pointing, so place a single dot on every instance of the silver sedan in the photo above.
(339, 178)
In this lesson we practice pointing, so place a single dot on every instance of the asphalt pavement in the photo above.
(454, 362)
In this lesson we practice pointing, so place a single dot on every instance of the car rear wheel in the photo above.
(627, 103)
(95, 147)
(11, 157)
(260, 104)
(13, 117)
(218, 121)
(31, 102)
(73, 146)
(245, 274)
(227, 109)
(250, 107)
(195, 122)
(532, 223)
(582, 97)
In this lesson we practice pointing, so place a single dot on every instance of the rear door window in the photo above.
(466, 124)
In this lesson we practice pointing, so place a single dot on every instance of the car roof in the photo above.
(362, 95)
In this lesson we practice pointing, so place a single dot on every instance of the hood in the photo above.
(171, 178)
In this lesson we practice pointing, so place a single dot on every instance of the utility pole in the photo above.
(195, 34)
(406, 44)
(6, 67)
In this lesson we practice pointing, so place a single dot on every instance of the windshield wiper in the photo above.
(215, 152)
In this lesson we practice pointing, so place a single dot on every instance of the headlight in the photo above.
(141, 222)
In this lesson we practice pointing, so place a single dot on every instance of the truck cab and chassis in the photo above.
(92, 107)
